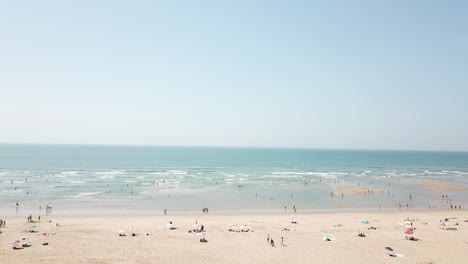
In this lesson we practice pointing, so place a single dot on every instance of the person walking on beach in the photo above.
(268, 238)
(165, 211)
(17, 207)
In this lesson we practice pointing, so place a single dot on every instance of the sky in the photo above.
(308, 74)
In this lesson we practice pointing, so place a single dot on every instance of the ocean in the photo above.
(105, 179)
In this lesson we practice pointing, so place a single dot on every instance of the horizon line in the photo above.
(227, 146)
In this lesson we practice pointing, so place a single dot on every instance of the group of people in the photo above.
(272, 242)
(205, 210)
(286, 208)
(449, 200)
(30, 219)
(2, 223)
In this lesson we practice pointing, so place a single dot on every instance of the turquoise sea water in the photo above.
(134, 178)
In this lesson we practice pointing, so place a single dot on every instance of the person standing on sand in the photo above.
(268, 238)
(17, 207)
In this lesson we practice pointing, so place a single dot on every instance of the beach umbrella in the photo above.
(195, 227)
(201, 235)
(121, 231)
(365, 221)
(33, 226)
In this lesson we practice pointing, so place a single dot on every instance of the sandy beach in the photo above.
(353, 189)
(95, 238)
(439, 185)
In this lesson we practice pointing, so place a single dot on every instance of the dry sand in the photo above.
(94, 239)
(439, 185)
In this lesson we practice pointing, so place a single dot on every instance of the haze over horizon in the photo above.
(302, 74)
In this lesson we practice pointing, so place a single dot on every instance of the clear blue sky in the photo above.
(326, 74)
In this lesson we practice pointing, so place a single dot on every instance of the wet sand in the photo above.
(354, 189)
(439, 185)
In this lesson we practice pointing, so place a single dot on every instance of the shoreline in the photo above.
(229, 212)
